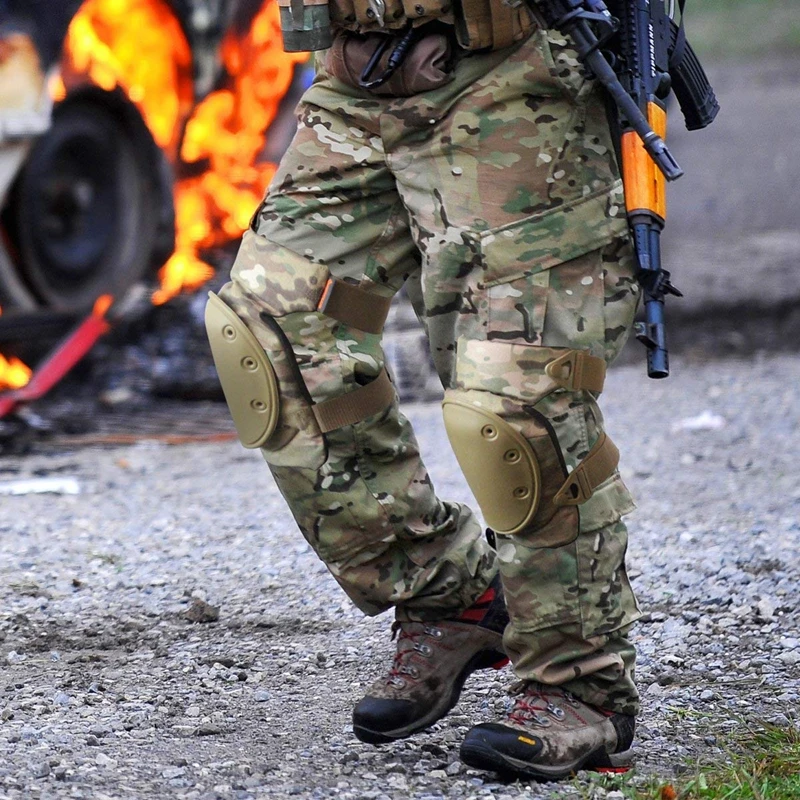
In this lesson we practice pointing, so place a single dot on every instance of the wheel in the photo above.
(85, 218)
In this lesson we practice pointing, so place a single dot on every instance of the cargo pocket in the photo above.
(541, 584)
(545, 240)
(607, 599)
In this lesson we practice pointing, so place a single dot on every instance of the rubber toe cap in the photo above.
(502, 739)
(383, 715)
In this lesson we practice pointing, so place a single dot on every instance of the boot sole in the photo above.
(481, 755)
(484, 659)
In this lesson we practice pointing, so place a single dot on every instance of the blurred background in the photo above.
(138, 136)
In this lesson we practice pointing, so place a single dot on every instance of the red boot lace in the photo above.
(399, 667)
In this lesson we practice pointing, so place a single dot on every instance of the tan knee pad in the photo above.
(247, 377)
(499, 465)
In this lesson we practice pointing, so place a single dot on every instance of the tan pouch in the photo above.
(427, 66)
(492, 24)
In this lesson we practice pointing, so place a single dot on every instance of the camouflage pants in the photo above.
(496, 199)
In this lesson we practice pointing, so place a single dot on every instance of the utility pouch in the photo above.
(428, 65)
(493, 24)
(305, 25)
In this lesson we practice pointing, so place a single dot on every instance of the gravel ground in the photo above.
(167, 633)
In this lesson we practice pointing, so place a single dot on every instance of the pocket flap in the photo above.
(545, 240)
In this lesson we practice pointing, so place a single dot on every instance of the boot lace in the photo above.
(535, 706)
(400, 669)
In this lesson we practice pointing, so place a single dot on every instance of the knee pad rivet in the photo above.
(521, 492)
(249, 364)
(489, 432)
(511, 456)
(229, 333)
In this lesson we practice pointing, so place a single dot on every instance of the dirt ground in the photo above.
(119, 682)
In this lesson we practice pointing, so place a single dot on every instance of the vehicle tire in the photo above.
(85, 216)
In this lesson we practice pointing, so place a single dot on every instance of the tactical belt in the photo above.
(355, 406)
(598, 466)
(353, 306)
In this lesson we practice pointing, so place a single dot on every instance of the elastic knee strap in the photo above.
(598, 466)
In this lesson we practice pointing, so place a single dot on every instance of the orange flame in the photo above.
(139, 47)
(228, 130)
(13, 373)
(102, 304)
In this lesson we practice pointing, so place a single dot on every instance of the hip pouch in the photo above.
(359, 60)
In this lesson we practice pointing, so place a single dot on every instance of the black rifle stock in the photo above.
(640, 55)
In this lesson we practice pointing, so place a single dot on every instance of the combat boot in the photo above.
(548, 735)
(432, 661)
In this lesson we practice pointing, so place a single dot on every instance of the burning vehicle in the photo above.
(136, 136)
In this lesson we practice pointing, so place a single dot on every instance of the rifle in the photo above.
(639, 54)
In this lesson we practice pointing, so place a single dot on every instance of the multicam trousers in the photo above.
(496, 200)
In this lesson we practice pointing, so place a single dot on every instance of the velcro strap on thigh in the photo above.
(576, 370)
(598, 466)
(526, 372)
(353, 306)
(355, 406)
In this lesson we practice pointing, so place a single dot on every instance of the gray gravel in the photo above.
(167, 633)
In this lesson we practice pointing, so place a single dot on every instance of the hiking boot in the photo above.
(432, 661)
(548, 735)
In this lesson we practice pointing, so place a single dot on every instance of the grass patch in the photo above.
(743, 28)
(763, 764)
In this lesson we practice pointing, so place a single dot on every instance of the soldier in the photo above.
(481, 175)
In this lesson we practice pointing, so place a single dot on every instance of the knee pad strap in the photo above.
(598, 466)
(353, 306)
(355, 406)
(576, 371)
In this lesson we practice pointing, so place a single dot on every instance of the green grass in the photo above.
(763, 764)
(743, 28)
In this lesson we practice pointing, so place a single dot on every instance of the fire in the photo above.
(20, 89)
(13, 373)
(227, 131)
(138, 46)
